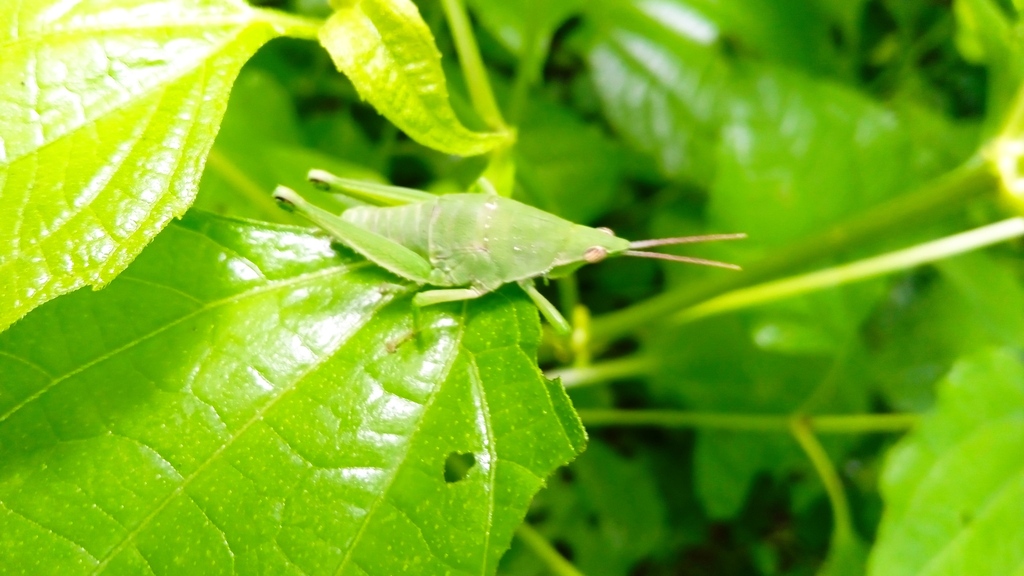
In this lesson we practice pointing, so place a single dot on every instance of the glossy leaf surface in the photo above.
(244, 400)
(108, 111)
(954, 487)
(388, 52)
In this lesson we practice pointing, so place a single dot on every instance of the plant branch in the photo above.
(843, 534)
(856, 271)
(628, 367)
(948, 192)
(828, 424)
(539, 545)
(472, 65)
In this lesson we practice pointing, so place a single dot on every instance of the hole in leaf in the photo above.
(457, 466)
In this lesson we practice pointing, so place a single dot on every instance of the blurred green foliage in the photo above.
(788, 120)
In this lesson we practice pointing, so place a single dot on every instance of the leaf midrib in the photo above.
(375, 505)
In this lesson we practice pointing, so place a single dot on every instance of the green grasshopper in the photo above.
(468, 245)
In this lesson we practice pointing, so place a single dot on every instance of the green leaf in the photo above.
(799, 138)
(671, 88)
(388, 52)
(786, 140)
(668, 81)
(108, 110)
(953, 488)
(244, 400)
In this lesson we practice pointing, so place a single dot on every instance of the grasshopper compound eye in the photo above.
(594, 254)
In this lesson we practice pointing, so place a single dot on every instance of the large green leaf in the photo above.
(242, 399)
(671, 86)
(107, 111)
(388, 52)
(783, 153)
(667, 82)
(954, 488)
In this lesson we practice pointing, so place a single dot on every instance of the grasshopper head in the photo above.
(588, 246)
(593, 245)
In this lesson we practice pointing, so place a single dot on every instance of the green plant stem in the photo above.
(472, 65)
(843, 534)
(856, 271)
(940, 196)
(291, 24)
(556, 564)
(837, 424)
(628, 367)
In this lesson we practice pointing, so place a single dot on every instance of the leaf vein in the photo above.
(181, 488)
(270, 287)
(350, 553)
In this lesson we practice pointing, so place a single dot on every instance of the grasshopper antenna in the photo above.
(682, 240)
(684, 259)
(685, 240)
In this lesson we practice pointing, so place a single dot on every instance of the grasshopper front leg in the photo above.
(431, 297)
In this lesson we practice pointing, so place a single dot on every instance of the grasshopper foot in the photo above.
(392, 346)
